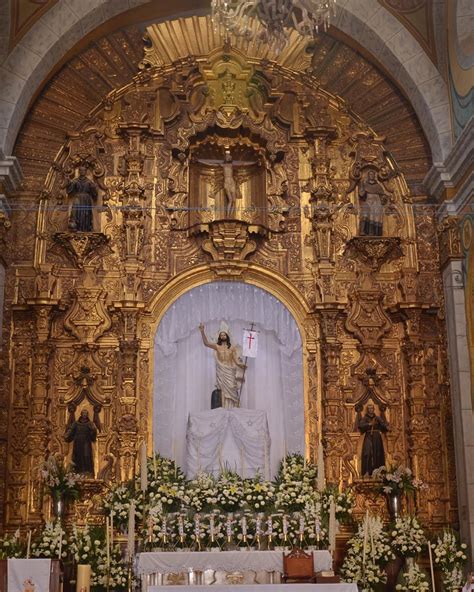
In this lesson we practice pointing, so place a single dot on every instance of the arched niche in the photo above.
(184, 370)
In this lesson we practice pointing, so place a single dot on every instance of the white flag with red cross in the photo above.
(250, 344)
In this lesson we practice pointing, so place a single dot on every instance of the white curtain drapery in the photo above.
(184, 370)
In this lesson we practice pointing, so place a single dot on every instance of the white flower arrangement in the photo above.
(295, 484)
(450, 556)
(117, 503)
(202, 493)
(343, 500)
(60, 479)
(414, 580)
(407, 536)
(230, 492)
(369, 551)
(259, 495)
(12, 547)
(397, 479)
(52, 542)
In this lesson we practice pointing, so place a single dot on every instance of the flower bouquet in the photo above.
(117, 503)
(259, 495)
(407, 537)
(202, 493)
(397, 479)
(369, 551)
(60, 479)
(230, 492)
(450, 556)
(11, 546)
(344, 501)
(413, 580)
(295, 484)
(52, 542)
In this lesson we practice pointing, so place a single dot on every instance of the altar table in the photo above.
(225, 567)
(261, 588)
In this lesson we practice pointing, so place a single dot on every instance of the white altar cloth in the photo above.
(37, 571)
(238, 439)
(229, 561)
(260, 588)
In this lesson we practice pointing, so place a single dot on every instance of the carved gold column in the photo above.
(18, 418)
(332, 400)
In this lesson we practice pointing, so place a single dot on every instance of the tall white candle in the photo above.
(60, 548)
(364, 548)
(143, 467)
(112, 532)
(107, 544)
(83, 579)
(433, 585)
(332, 526)
(321, 482)
(28, 544)
(131, 531)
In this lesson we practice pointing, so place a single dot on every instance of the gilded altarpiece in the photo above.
(231, 168)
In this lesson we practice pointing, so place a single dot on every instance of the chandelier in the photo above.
(277, 18)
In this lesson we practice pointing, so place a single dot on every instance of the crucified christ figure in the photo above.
(229, 183)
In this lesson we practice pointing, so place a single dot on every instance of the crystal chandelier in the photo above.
(276, 18)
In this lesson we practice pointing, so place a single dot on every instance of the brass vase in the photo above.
(394, 504)
(59, 506)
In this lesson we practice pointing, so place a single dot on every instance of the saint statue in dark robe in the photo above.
(82, 433)
(84, 194)
(372, 197)
(372, 425)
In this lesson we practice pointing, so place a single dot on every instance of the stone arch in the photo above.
(66, 23)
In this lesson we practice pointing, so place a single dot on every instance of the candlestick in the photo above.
(60, 542)
(28, 544)
(431, 567)
(112, 531)
(107, 544)
(364, 548)
(321, 481)
(131, 531)
(83, 579)
(181, 529)
(143, 467)
(332, 526)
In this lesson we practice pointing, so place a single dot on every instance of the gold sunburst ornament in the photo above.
(277, 18)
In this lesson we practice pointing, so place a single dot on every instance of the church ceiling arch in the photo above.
(112, 62)
(66, 23)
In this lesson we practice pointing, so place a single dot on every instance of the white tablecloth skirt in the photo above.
(229, 561)
(260, 588)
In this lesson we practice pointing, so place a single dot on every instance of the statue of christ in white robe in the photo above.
(227, 363)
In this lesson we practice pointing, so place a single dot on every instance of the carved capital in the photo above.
(449, 240)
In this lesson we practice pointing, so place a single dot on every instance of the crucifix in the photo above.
(229, 182)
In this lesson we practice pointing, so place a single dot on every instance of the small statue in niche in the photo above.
(372, 198)
(372, 426)
(229, 183)
(84, 193)
(82, 433)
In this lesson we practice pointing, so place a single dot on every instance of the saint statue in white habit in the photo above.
(227, 364)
